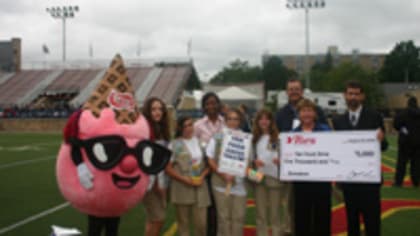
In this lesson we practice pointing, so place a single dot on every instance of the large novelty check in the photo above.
(344, 156)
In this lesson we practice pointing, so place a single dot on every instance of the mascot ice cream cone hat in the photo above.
(104, 163)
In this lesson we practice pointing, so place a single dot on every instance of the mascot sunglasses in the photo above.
(105, 152)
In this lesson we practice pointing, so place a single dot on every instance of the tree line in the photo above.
(402, 64)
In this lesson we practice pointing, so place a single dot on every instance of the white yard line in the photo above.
(20, 163)
(47, 143)
(31, 145)
(34, 217)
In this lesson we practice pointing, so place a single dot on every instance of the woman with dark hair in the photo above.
(156, 113)
(212, 122)
(188, 191)
(154, 201)
(270, 193)
(312, 199)
(204, 129)
(231, 205)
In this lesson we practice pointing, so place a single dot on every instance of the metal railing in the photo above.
(100, 63)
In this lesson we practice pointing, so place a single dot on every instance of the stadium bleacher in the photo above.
(19, 85)
(56, 93)
(70, 81)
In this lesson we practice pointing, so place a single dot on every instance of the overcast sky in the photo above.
(221, 30)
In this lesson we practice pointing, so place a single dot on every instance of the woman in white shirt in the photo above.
(270, 193)
(188, 191)
(230, 207)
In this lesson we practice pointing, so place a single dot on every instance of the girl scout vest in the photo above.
(181, 193)
(216, 180)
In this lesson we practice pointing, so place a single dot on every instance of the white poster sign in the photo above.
(235, 152)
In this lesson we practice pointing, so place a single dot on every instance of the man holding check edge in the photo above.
(361, 198)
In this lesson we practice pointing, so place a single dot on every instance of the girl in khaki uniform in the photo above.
(231, 207)
(188, 192)
(269, 193)
(155, 200)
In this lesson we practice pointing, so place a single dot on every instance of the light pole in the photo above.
(306, 5)
(407, 63)
(63, 13)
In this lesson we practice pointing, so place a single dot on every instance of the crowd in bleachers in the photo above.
(36, 112)
(44, 106)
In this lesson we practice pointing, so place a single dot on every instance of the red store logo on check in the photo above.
(300, 140)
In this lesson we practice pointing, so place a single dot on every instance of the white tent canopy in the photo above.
(235, 96)
(236, 93)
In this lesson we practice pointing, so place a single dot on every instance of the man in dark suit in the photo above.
(360, 198)
(287, 119)
(408, 125)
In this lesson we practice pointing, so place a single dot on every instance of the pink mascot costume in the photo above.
(104, 163)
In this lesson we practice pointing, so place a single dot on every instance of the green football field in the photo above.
(31, 202)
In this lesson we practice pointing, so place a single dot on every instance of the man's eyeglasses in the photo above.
(106, 152)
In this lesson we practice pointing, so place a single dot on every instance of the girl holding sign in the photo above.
(270, 193)
(188, 191)
(230, 201)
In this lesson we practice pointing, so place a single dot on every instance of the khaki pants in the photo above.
(199, 217)
(155, 206)
(230, 214)
(270, 199)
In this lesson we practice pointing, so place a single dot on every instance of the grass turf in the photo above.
(27, 173)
